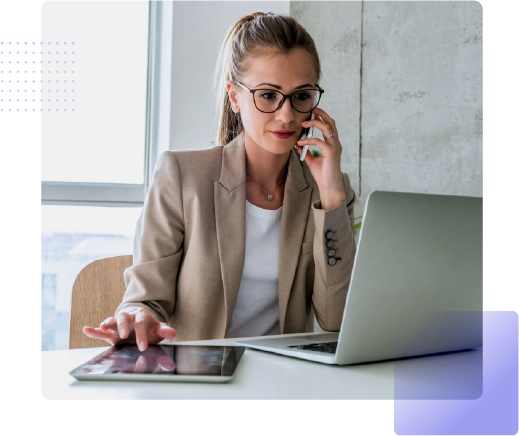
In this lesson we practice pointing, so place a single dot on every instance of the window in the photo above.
(48, 291)
(96, 151)
(73, 237)
(96, 160)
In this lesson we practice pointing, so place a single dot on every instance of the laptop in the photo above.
(416, 286)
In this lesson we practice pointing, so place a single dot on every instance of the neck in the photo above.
(267, 169)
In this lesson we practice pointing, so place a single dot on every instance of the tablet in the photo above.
(172, 363)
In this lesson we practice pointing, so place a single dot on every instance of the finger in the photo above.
(96, 333)
(108, 323)
(322, 126)
(309, 157)
(165, 331)
(142, 319)
(123, 325)
(324, 123)
(318, 143)
(325, 117)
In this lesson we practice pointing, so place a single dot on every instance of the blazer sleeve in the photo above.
(158, 244)
(331, 282)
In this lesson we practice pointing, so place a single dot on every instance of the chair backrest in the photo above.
(97, 291)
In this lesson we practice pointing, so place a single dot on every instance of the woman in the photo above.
(244, 239)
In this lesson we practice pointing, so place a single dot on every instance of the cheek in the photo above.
(246, 119)
(255, 121)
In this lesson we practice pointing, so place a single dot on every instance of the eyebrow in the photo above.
(306, 85)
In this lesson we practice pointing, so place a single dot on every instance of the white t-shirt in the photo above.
(256, 312)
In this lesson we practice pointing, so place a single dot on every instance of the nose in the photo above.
(285, 113)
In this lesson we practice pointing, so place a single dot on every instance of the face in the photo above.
(287, 73)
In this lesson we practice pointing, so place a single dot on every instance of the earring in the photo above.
(234, 106)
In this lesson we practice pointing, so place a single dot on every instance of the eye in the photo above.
(268, 95)
(302, 96)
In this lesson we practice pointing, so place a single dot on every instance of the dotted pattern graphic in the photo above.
(37, 76)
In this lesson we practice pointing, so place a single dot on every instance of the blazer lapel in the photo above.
(296, 206)
(229, 204)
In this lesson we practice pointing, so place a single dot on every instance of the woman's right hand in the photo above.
(139, 327)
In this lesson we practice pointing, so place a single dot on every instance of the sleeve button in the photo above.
(329, 234)
(332, 261)
(329, 243)
(331, 252)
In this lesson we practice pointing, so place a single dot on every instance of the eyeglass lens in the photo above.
(268, 100)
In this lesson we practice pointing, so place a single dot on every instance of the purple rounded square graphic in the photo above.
(495, 411)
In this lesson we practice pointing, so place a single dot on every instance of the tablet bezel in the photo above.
(239, 350)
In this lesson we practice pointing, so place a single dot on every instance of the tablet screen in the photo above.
(163, 360)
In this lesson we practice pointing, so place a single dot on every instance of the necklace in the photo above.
(270, 197)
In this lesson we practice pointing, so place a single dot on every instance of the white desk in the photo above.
(263, 375)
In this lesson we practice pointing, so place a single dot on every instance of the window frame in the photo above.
(126, 194)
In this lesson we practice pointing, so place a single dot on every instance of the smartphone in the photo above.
(308, 135)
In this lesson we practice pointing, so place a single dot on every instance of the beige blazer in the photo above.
(189, 246)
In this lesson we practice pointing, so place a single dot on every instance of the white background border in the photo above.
(24, 409)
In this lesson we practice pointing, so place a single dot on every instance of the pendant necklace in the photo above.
(270, 197)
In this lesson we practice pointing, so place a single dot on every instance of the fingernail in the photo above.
(123, 333)
(141, 346)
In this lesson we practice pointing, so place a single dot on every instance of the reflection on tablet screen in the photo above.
(164, 359)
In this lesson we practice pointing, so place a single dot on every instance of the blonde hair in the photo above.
(252, 35)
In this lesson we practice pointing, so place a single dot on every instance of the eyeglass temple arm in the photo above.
(243, 86)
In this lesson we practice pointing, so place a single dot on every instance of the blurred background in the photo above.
(403, 83)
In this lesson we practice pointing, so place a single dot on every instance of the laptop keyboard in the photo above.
(323, 347)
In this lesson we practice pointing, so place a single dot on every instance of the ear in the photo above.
(231, 92)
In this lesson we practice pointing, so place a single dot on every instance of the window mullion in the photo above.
(106, 194)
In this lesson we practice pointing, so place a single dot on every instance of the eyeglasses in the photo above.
(270, 100)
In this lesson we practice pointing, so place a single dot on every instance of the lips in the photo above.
(282, 134)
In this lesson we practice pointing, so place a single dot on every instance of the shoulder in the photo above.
(187, 158)
(190, 163)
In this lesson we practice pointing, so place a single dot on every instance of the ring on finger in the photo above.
(331, 136)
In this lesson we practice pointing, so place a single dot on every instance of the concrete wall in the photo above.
(419, 111)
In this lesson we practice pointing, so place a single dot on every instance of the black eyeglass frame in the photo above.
(289, 96)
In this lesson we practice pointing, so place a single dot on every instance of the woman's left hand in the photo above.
(325, 169)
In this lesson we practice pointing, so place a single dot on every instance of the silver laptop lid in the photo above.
(417, 282)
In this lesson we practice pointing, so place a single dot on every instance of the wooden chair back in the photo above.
(97, 291)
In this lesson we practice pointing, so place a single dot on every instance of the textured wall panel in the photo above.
(421, 125)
